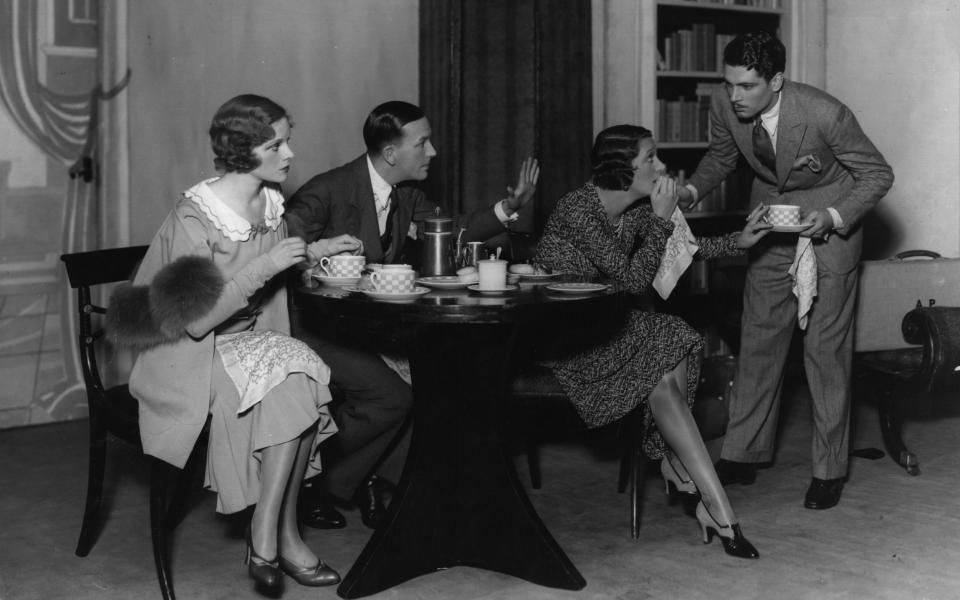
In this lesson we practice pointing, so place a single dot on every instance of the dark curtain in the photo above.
(501, 80)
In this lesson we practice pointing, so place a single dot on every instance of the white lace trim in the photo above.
(232, 225)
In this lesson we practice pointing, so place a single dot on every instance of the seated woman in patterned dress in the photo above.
(617, 227)
(207, 313)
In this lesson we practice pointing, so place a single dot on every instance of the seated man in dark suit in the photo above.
(375, 199)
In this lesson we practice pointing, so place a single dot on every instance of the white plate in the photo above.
(789, 228)
(577, 288)
(337, 281)
(443, 282)
(541, 277)
(387, 297)
(510, 288)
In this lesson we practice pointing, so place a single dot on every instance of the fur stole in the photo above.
(141, 317)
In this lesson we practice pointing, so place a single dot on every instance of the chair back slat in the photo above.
(102, 266)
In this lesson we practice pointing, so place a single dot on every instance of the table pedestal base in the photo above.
(459, 502)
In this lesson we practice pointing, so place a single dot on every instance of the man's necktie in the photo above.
(386, 238)
(763, 147)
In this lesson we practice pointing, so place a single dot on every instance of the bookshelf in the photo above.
(690, 36)
(688, 41)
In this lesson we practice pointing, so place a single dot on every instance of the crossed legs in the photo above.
(689, 456)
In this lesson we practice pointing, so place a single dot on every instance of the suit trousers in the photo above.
(769, 322)
(370, 408)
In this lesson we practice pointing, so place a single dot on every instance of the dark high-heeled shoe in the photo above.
(734, 543)
(672, 479)
(315, 576)
(265, 573)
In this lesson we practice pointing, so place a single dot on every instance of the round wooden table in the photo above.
(459, 500)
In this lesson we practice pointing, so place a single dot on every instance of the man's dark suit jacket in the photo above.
(341, 201)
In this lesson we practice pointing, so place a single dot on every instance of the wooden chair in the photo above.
(113, 410)
(536, 384)
(913, 380)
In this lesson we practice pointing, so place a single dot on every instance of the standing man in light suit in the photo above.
(807, 149)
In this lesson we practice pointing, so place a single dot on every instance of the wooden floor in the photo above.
(893, 536)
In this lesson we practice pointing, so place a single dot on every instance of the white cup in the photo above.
(393, 279)
(342, 265)
(493, 274)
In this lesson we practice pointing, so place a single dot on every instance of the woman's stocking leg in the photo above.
(668, 403)
(291, 543)
(275, 465)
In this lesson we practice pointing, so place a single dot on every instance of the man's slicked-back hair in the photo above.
(239, 126)
(384, 123)
(612, 155)
(758, 51)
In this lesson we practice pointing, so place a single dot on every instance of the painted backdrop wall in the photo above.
(897, 65)
(328, 62)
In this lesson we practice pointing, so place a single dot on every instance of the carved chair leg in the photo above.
(159, 472)
(95, 474)
(891, 423)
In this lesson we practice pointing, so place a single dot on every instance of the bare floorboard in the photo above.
(893, 536)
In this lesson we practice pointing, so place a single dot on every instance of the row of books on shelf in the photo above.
(699, 48)
(773, 4)
(686, 120)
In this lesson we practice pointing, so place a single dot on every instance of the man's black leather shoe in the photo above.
(731, 471)
(316, 508)
(372, 498)
(823, 493)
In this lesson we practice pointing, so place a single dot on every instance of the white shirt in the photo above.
(381, 195)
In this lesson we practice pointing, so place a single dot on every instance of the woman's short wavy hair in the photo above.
(240, 125)
(613, 151)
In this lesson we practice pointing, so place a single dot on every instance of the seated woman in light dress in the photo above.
(208, 314)
(617, 227)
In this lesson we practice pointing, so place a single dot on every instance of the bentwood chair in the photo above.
(114, 410)
(536, 385)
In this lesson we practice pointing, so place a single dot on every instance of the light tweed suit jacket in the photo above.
(852, 176)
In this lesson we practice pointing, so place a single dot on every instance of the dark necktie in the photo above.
(386, 238)
(763, 147)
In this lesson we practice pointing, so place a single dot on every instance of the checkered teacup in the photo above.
(783, 215)
(393, 279)
(342, 265)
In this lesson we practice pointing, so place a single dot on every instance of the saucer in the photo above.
(577, 288)
(336, 281)
(789, 228)
(388, 297)
(443, 282)
(505, 290)
(539, 277)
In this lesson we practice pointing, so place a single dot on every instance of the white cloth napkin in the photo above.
(677, 256)
(804, 273)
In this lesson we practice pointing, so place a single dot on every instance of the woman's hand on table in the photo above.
(755, 228)
(341, 244)
(664, 197)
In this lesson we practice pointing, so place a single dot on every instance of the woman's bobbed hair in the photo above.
(239, 126)
(613, 151)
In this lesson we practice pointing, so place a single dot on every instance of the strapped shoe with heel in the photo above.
(265, 573)
(316, 576)
(674, 483)
(734, 543)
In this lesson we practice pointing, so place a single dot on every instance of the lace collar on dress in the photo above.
(230, 224)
